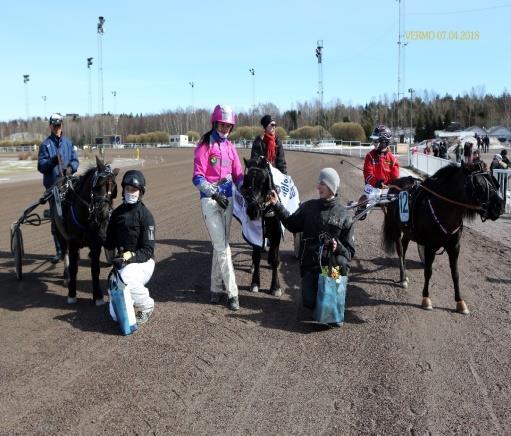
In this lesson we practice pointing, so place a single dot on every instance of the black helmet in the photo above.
(134, 178)
(382, 134)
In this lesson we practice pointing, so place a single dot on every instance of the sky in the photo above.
(153, 49)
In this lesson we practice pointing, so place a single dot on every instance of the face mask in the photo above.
(222, 135)
(131, 198)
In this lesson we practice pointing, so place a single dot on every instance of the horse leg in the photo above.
(404, 242)
(429, 257)
(97, 293)
(256, 261)
(453, 253)
(72, 254)
(403, 280)
(274, 261)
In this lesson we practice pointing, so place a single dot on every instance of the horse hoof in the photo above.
(254, 288)
(71, 300)
(404, 284)
(462, 308)
(277, 293)
(426, 303)
(100, 302)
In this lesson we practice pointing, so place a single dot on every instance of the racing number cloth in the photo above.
(252, 230)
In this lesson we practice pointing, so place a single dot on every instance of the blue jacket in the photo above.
(50, 147)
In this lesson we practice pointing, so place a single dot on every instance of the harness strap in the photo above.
(448, 200)
(439, 223)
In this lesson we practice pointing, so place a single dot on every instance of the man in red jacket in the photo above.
(380, 168)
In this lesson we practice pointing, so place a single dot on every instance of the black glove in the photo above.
(221, 199)
(55, 160)
(118, 262)
(379, 184)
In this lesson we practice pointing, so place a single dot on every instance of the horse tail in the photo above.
(390, 232)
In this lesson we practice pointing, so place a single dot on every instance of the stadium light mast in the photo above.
(100, 31)
(319, 56)
(89, 65)
(401, 45)
(26, 79)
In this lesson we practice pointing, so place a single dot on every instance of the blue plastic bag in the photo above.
(121, 304)
(330, 300)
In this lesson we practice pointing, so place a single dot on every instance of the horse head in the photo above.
(103, 191)
(482, 190)
(257, 186)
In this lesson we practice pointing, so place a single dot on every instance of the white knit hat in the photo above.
(330, 178)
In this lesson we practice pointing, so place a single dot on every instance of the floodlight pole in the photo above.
(44, 105)
(192, 85)
(100, 31)
(411, 91)
(319, 56)
(89, 65)
(26, 79)
(252, 72)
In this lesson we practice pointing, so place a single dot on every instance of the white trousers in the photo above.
(374, 194)
(136, 275)
(218, 223)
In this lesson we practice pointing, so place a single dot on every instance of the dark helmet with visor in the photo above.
(134, 178)
(382, 135)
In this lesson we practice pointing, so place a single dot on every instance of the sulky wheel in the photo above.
(17, 250)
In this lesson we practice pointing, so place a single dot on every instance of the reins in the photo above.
(448, 200)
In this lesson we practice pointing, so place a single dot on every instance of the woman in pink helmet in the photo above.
(216, 167)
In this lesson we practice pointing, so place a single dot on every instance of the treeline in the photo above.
(426, 113)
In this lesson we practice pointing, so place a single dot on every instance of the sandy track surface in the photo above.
(195, 368)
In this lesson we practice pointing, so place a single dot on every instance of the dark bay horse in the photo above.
(257, 185)
(83, 221)
(437, 208)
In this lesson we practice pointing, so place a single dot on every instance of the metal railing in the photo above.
(504, 177)
(426, 163)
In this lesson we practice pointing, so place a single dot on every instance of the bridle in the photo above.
(97, 201)
(252, 194)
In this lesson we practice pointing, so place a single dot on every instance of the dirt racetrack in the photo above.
(392, 368)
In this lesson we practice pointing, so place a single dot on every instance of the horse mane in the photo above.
(440, 178)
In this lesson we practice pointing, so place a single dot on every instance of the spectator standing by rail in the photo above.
(269, 145)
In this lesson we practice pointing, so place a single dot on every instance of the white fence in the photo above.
(426, 163)
(504, 177)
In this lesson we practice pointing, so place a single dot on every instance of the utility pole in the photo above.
(114, 93)
(319, 56)
(26, 79)
(100, 31)
(89, 65)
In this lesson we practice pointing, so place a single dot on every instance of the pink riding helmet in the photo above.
(224, 114)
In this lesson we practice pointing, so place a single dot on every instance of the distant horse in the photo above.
(437, 207)
(83, 222)
(257, 185)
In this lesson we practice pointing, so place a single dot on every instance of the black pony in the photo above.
(257, 185)
(83, 221)
(437, 207)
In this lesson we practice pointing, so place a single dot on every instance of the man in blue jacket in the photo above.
(57, 157)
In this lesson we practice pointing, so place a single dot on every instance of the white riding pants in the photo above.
(218, 223)
(136, 275)
(374, 194)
